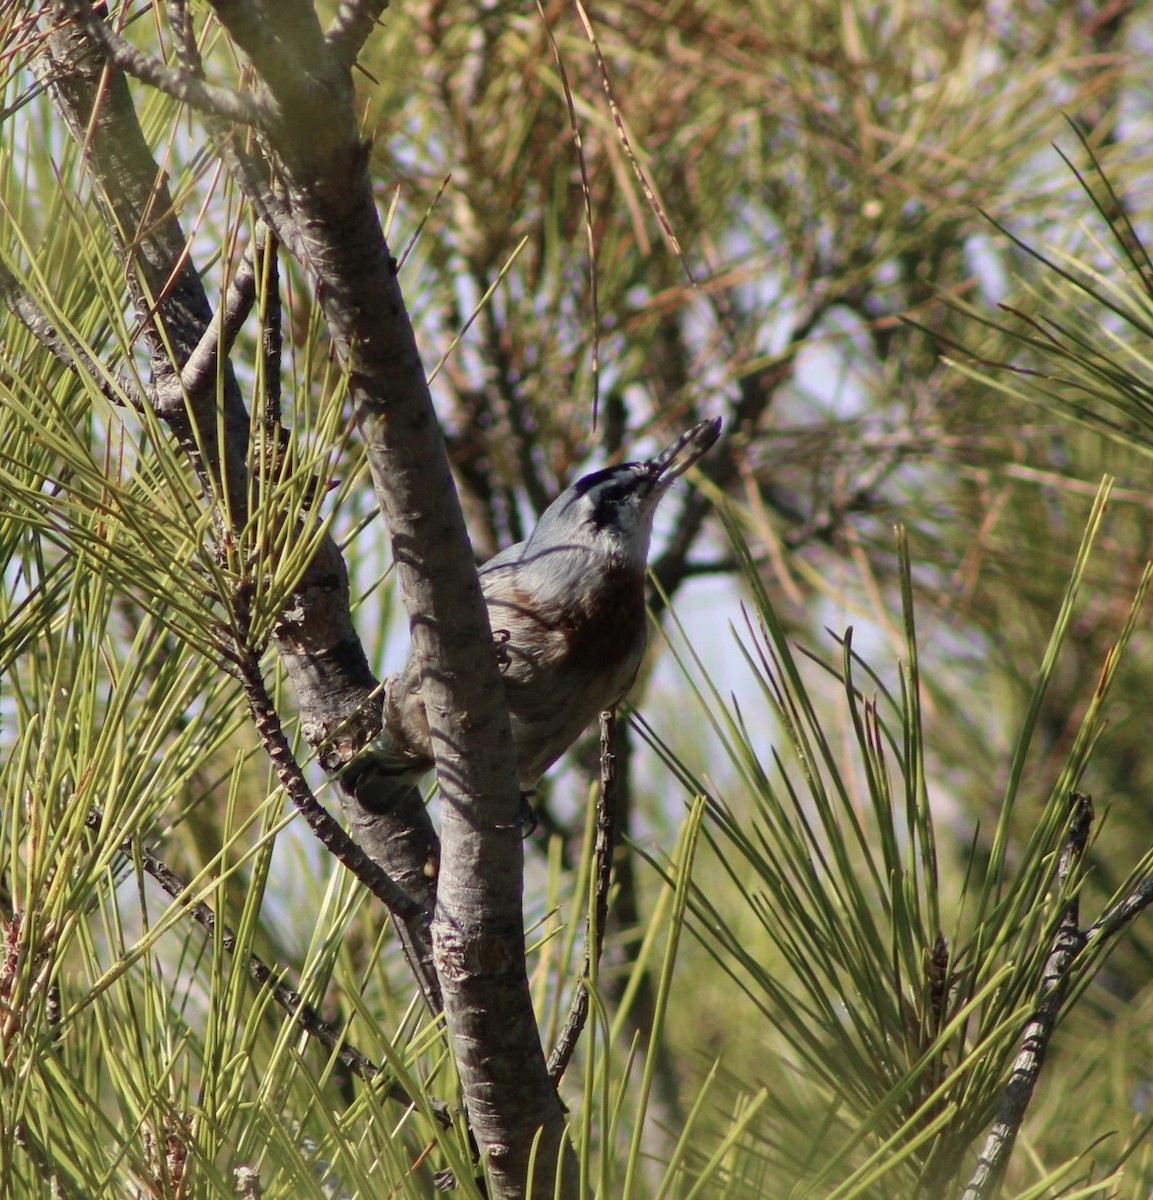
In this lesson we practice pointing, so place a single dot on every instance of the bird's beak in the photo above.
(676, 459)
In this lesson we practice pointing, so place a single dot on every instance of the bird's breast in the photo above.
(597, 625)
(565, 659)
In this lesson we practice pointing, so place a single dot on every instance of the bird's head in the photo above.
(613, 509)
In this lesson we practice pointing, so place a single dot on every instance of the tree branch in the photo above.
(1068, 943)
(215, 101)
(478, 929)
(406, 906)
(200, 368)
(315, 638)
(271, 342)
(352, 26)
(606, 821)
(1116, 918)
(309, 1020)
(116, 389)
(319, 820)
(312, 136)
(165, 287)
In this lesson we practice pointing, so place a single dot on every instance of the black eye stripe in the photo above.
(613, 493)
(626, 474)
(609, 492)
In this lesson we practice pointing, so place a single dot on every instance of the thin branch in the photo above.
(271, 338)
(1117, 917)
(116, 390)
(183, 39)
(412, 916)
(352, 26)
(594, 929)
(319, 819)
(477, 936)
(245, 168)
(166, 290)
(251, 175)
(1068, 943)
(319, 647)
(25, 1137)
(309, 1020)
(725, 565)
(208, 98)
(201, 367)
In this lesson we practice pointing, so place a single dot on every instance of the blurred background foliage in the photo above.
(803, 217)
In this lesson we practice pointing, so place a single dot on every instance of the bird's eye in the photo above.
(606, 492)
(607, 504)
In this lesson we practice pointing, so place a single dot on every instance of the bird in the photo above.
(567, 611)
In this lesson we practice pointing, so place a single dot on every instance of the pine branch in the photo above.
(165, 287)
(606, 822)
(1068, 943)
(309, 1020)
(1116, 918)
(202, 366)
(477, 935)
(221, 102)
(316, 640)
(117, 389)
(319, 820)
(352, 26)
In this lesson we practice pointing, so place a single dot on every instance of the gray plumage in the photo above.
(567, 610)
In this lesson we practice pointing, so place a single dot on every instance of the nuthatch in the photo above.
(567, 610)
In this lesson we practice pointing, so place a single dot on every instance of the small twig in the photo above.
(208, 98)
(183, 38)
(352, 27)
(606, 821)
(244, 167)
(272, 335)
(1117, 917)
(200, 369)
(328, 830)
(332, 836)
(117, 391)
(1068, 942)
(309, 1020)
(26, 1138)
